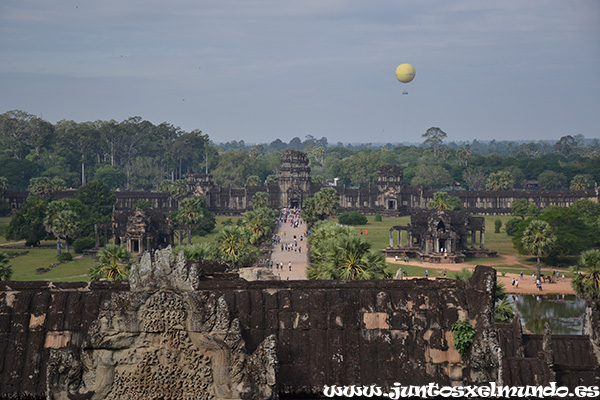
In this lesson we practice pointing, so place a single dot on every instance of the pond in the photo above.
(564, 313)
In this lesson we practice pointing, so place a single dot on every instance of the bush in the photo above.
(352, 218)
(65, 257)
(377, 217)
(497, 225)
(83, 243)
(512, 226)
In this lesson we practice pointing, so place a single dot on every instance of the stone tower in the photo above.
(294, 178)
(390, 180)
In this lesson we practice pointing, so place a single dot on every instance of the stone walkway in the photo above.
(299, 260)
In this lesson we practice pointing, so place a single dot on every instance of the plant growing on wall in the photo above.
(464, 334)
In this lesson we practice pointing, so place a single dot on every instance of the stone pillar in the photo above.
(436, 246)
(449, 246)
(473, 239)
(399, 237)
(409, 239)
(391, 238)
(96, 236)
(481, 239)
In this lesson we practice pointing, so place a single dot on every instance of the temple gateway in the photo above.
(440, 236)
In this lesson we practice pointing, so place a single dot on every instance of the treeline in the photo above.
(135, 154)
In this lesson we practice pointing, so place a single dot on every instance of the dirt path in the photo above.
(12, 243)
(526, 285)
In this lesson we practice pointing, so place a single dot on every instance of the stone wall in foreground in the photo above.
(175, 331)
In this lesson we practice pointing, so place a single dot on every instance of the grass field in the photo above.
(3, 225)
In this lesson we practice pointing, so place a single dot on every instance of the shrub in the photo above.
(83, 243)
(497, 225)
(377, 217)
(65, 257)
(352, 218)
(512, 226)
(464, 333)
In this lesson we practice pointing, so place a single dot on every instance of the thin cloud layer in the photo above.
(261, 70)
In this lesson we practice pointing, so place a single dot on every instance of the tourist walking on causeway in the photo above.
(290, 265)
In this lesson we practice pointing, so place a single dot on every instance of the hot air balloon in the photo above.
(405, 73)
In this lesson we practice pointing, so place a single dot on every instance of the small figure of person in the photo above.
(290, 265)
(427, 274)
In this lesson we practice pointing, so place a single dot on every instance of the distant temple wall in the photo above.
(389, 196)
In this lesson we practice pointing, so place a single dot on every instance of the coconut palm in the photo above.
(538, 240)
(587, 279)
(114, 263)
(5, 268)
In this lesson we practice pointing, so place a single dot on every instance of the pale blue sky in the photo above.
(257, 70)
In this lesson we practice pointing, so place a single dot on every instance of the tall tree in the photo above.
(538, 240)
(44, 186)
(552, 180)
(582, 182)
(475, 178)
(191, 213)
(28, 222)
(501, 180)
(434, 137)
(431, 177)
(62, 222)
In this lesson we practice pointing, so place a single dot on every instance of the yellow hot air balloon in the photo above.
(405, 73)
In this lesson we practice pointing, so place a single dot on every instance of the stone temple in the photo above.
(388, 196)
(440, 236)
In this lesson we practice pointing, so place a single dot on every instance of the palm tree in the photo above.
(62, 222)
(587, 279)
(443, 201)
(233, 245)
(538, 240)
(190, 213)
(114, 264)
(5, 268)
(199, 251)
(261, 222)
(349, 258)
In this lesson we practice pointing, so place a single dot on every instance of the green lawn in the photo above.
(4, 221)
(25, 266)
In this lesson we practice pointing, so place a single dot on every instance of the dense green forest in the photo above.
(135, 154)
